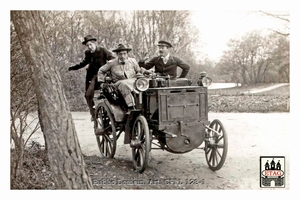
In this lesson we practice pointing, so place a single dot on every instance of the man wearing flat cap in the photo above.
(123, 72)
(95, 57)
(166, 64)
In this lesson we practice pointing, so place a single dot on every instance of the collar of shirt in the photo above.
(166, 57)
(122, 62)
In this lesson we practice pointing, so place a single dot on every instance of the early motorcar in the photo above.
(170, 114)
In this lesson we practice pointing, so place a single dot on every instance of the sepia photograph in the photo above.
(150, 99)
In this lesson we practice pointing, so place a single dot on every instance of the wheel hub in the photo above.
(212, 145)
(100, 131)
(135, 143)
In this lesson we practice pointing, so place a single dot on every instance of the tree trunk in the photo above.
(64, 153)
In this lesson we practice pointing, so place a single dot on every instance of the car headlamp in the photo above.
(206, 81)
(141, 84)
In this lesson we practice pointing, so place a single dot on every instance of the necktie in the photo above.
(123, 66)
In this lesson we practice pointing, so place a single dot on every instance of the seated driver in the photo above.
(165, 63)
(123, 70)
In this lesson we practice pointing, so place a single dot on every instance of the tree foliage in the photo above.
(140, 29)
(256, 58)
(22, 103)
(249, 59)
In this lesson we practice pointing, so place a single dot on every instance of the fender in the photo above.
(117, 111)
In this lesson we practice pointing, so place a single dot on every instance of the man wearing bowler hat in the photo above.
(123, 72)
(95, 57)
(165, 64)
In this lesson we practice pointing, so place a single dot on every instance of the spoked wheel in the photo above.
(140, 144)
(216, 145)
(105, 131)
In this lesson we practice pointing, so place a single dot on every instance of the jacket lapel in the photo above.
(171, 60)
(160, 60)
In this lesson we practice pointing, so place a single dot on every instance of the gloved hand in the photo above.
(100, 81)
(71, 68)
(147, 72)
(143, 57)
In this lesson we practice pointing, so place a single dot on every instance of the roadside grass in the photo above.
(280, 91)
(234, 99)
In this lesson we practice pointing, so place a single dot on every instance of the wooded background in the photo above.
(260, 56)
(139, 29)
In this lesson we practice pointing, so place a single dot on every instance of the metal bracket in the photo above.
(212, 130)
(171, 134)
(180, 127)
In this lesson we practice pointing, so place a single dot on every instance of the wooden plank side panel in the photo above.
(163, 107)
(203, 106)
(182, 104)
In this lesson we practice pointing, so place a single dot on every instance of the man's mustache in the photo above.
(160, 51)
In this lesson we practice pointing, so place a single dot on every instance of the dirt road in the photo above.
(251, 135)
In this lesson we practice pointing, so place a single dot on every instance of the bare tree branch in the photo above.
(275, 16)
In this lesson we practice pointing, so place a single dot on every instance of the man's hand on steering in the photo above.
(147, 72)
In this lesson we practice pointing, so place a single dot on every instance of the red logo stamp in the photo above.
(272, 171)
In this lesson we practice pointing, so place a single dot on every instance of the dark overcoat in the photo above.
(170, 68)
(95, 61)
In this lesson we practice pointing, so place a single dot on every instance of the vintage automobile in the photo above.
(171, 115)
